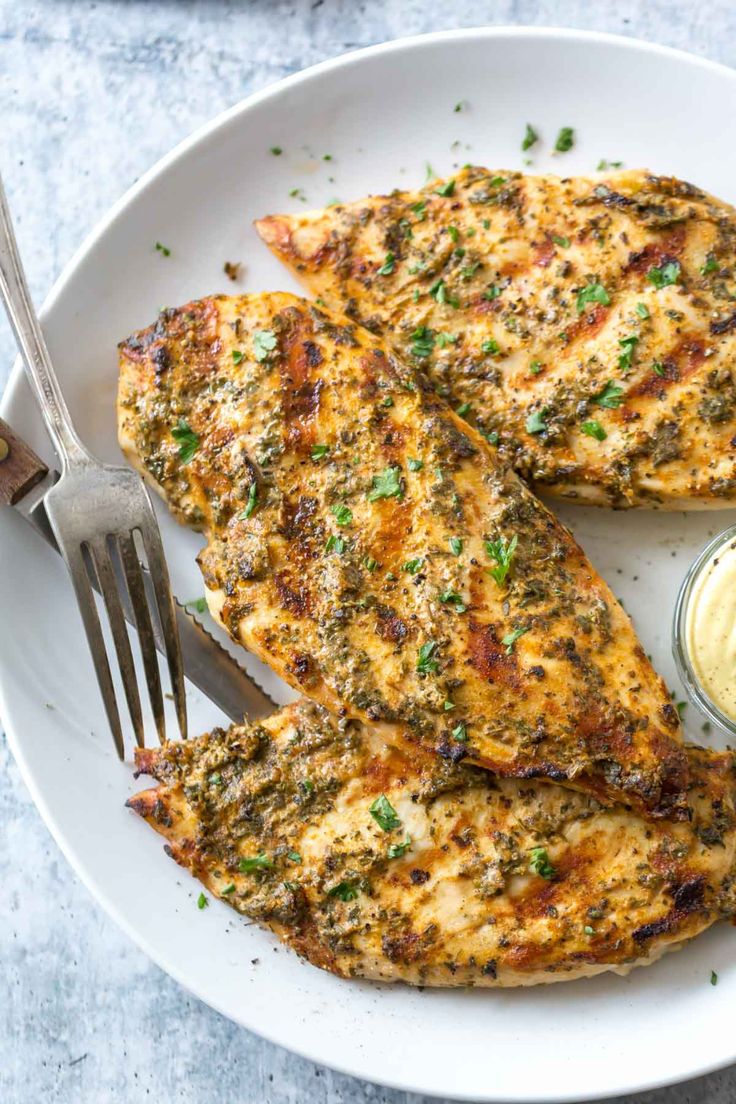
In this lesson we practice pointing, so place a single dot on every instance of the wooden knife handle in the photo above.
(20, 468)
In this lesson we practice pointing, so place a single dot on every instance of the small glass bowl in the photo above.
(695, 690)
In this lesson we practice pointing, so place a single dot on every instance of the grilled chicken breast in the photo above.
(375, 863)
(585, 325)
(364, 542)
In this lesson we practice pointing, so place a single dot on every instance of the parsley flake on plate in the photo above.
(530, 137)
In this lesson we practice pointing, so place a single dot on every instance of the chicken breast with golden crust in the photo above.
(379, 864)
(363, 541)
(585, 325)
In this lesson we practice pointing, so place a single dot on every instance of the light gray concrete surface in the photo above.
(91, 94)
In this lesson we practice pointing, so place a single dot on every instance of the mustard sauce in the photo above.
(710, 629)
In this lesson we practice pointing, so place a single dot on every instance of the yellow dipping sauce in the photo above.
(710, 629)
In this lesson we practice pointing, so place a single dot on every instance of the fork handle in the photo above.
(27, 330)
(20, 468)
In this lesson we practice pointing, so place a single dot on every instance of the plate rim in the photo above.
(218, 122)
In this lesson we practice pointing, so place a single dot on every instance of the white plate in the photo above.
(381, 114)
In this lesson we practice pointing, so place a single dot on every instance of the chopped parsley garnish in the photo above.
(264, 342)
(460, 732)
(490, 347)
(215, 779)
(448, 705)
(370, 564)
(492, 438)
(336, 544)
(412, 567)
(343, 514)
(658, 368)
(384, 814)
(228, 889)
(603, 164)
(587, 930)
(681, 707)
(202, 901)
(713, 977)
(564, 243)
(452, 598)
(415, 465)
(440, 294)
(187, 440)
(420, 210)
(447, 189)
(237, 356)
(422, 342)
(610, 396)
(276, 151)
(344, 891)
(665, 275)
(535, 367)
(510, 639)
(530, 137)
(426, 661)
(642, 310)
(492, 292)
(565, 140)
(444, 339)
(594, 429)
(456, 546)
(592, 293)
(163, 249)
(711, 265)
(257, 862)
(536, 422)
(198, 604)
(628, 344)
(386, 485)
(307, 785)
(319, 451)
(539, 863)
(388, 265)
(398, 850)
(502, 551)
(463, 409)
(251, 502)
(293, 856)
(453, 232)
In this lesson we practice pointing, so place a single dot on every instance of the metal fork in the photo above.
(95, 511)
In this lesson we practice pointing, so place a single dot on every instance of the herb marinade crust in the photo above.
(586, 325)
(379, 863)
(363, 540)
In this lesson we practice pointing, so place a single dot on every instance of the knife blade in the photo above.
(206, 663)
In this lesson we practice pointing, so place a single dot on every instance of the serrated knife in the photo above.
(24, 479)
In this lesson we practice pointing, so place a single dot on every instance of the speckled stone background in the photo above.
(91, 94)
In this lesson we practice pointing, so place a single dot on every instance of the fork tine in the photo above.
(159, 574)
(100, 555)
(139, 603)
(85, 599)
